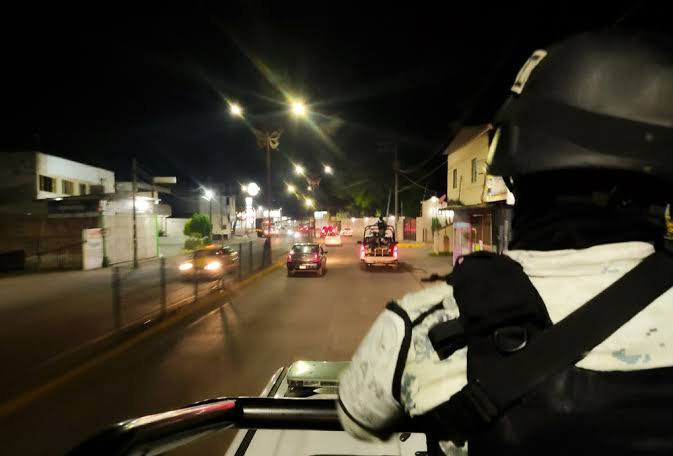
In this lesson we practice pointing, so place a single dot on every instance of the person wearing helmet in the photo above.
(564, 345)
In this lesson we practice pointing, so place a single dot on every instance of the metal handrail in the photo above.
(154, 434)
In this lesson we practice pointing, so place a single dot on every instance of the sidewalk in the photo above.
(422, 263)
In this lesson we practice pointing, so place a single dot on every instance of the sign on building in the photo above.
(92, 248)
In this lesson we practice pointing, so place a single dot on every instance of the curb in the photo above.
(107, 347)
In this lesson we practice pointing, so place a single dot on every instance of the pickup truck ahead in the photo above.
(378, 247)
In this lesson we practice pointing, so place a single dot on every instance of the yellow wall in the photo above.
(466, 191)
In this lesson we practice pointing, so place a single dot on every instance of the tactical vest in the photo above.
(524, 393)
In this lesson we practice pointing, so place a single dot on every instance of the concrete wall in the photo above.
(78, 173)
(119, 237)
(48, 243)
(466, 191)
(17, 177)
(175, 227)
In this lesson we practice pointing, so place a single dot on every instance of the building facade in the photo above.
(35, 175)
(477, 201)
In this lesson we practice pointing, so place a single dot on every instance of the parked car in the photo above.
(306, 257)
(333, 240)
(347, 231)
(211, 262)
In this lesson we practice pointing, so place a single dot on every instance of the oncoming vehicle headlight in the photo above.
(213, 266)
(186, 266)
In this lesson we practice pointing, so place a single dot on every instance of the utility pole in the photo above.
(396, 166)
(390, 190)
(134, 190)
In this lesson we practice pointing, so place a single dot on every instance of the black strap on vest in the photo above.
(492, 389)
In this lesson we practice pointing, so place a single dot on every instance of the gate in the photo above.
(409, 231)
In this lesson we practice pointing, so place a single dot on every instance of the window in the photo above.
(67, 187)
(82, 189)
(473, 179)
(455, 178)
(46, 184)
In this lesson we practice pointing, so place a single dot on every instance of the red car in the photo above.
(327, 229)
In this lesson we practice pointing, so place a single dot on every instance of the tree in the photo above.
(198, 226)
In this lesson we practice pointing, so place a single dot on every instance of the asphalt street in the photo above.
(44, 316)
(233, 350)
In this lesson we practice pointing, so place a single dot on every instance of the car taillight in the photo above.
(394, 251)
(362, 252)
(316, 257)
(289, 257)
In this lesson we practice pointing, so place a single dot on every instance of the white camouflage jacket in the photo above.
(565, 280)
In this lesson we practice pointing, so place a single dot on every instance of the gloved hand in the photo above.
(395, 372)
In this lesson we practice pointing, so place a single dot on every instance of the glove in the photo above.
(395, 372)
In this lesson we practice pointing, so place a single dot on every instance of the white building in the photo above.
(28, 176)
(221, 209)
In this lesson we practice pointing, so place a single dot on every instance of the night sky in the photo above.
(113, 85)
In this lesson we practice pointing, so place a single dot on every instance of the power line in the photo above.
(414, 182)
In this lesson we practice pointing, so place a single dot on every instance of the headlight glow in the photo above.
(213, 266)
(186, 266)
(297, 235)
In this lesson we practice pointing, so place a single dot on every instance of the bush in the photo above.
(194, 243)
(198, 226)
(436, 225)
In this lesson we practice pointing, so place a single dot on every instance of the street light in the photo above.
(251, 189)
(328, 169)
(208, 194)
(309, 189)
(291, 188)
(235, 110)
(299, 170)
(298, 108)
(309, 202)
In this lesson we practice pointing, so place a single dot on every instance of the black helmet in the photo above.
(600, 100)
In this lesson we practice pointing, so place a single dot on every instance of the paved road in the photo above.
(230, 351)
(43, 316)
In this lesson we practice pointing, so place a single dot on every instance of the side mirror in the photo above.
(359, 242)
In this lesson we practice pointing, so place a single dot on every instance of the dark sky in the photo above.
(113, 85)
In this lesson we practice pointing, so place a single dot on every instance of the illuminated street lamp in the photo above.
(235, 110)
(299, 169)
(251, 189)
(208, 194)
(309, 189)
(298, 108)
(291, 188)
(308, 202)
(328, 170)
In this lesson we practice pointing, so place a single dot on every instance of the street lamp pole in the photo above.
(210, 218)
(268, 140)
(269, 200)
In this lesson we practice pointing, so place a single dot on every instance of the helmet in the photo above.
(599, 100)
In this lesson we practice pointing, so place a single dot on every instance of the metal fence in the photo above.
(156, 286)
